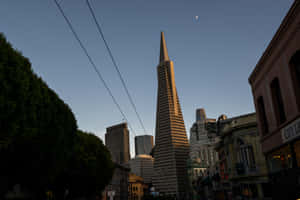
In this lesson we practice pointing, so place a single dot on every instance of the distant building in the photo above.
(275, 84)
(136, 187)
(117, 141)
(202, 139)
(118, 187)
(200, 115)
(142, 165)
(143, 144)
(203, 156)
(171, 144)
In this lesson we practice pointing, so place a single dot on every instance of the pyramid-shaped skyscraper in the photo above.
(171, 143)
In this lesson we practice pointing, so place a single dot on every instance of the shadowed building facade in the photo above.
(143, 144)
(171, 144)
(117, 141)
(142, 165)
(275, 84)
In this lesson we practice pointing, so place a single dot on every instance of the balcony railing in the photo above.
(242, 169)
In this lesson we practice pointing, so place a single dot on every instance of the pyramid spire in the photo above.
(171, 143)
(163, 49)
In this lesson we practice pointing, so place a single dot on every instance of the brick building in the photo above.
(275, 84)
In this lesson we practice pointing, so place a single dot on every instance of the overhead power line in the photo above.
(92, 63)
(115, 64)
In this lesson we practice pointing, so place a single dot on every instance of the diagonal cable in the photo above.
(115, 65)
(92, 63)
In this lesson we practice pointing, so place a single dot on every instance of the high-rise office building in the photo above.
(142, 165)
(200, 114)
(117, 141)
(203, 137)
(171, 144)
(143, 144)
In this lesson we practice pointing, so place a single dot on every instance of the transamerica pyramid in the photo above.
(171, 144)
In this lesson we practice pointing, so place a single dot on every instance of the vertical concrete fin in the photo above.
(173, 88)
(163, 49)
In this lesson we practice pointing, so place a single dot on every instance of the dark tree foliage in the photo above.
(90, 167)
(36, 127)
(40, 146)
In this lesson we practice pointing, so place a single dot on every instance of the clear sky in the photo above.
(213, 53)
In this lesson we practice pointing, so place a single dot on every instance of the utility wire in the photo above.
(92, 62)
(115, 64)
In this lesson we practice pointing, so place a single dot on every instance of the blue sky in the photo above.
(213, 56)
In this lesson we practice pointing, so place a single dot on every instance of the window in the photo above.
(262, 115)
(280, 159)
(245, 155)
(251, 157)
(277, 101)
(295, 74)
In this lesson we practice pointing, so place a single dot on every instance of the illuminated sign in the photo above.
(291, 131)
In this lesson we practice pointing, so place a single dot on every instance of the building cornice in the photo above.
(275, 40)
(240, 127)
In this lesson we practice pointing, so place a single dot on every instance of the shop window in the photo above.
(262, 115)
(297, 152)
(277, 101)
(280, 159)
(295, 74)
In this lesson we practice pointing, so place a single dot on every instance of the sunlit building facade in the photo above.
(136, 187)
(171, 143)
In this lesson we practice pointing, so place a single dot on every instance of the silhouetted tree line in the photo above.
(40, 146)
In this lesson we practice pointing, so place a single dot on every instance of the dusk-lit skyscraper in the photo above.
(143, 144)
(171, 144)
(117, 141)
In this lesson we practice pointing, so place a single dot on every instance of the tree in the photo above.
(40, 147)
(37, 129)
(90, 168)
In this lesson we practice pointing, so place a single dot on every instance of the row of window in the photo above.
(276, 95)
(136, 188)
(245, 155)
(210, 156)
(199, 172)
